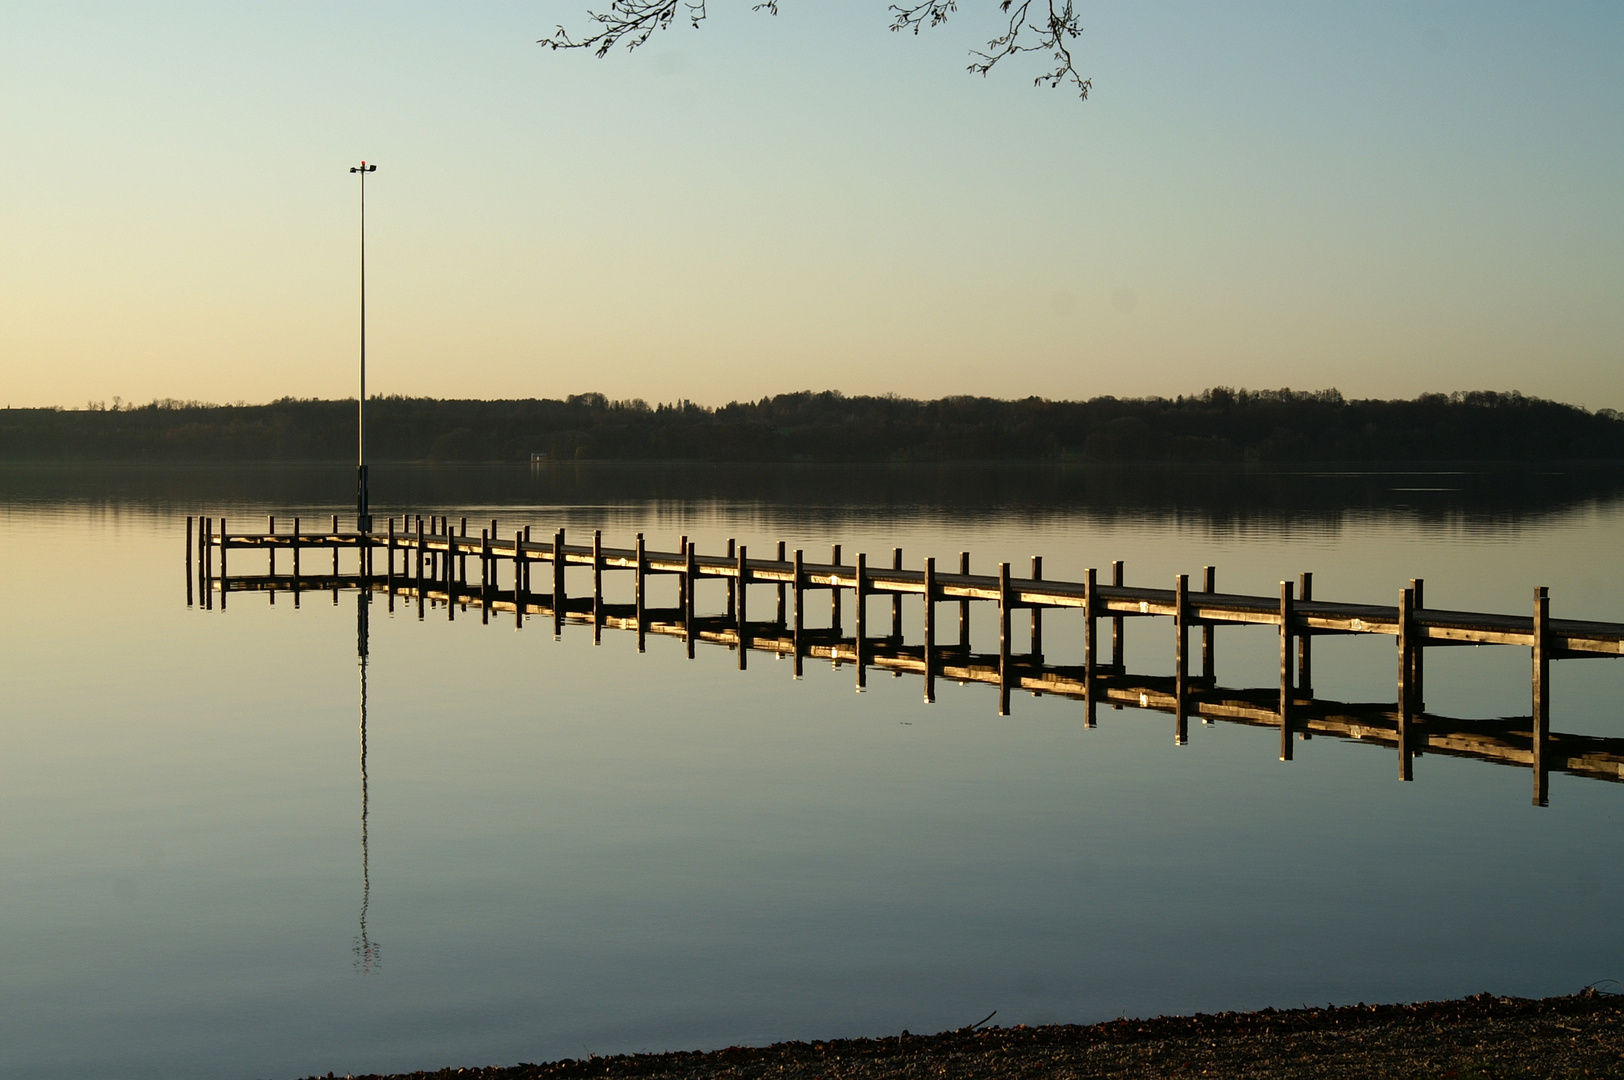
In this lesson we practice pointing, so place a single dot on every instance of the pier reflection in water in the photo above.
(1291, 708)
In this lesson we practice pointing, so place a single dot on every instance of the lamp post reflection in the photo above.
(367, 952)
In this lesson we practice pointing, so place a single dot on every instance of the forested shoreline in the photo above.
(1218, 425)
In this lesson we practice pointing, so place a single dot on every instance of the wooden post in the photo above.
(389, 554)
(487, 573)
(1090, 645)
(1037, 614)
(521, 577)
(205, 562)
(1003, 639)
(731, 590)
(781, 591)
(1209, 584)
(1285, 669)
(860, 603)
(1305, 646)
(419, 554)
(223, 543)
(642, 574)
(682, 578)
(420, 557)
(930, 629)
(335, 545)
(964, 606)
(560, 594)
(741, 614)
(270, 542)
(462, 560)
(800, 609)
(1542, 695)
(834, 593)
(689, 568)
(1181, 657)
(295, 562)
(449, 569)
(896, 599)
(1418, 688)
(188, 560)
(597, 586)
(1117, 643)
(1406, 670)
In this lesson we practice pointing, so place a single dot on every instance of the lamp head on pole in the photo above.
(364, 167)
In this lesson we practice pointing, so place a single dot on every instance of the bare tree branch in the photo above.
(635, 20)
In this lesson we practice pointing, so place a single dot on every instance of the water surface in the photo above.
(573, 848)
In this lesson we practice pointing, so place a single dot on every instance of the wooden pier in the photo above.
(427, 561)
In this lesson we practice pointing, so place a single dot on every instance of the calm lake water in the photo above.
(574, 849)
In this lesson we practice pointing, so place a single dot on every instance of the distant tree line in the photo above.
(1219, 425)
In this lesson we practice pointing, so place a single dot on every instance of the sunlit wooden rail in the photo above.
(429, 560)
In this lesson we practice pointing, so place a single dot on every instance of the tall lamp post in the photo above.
(363, 516)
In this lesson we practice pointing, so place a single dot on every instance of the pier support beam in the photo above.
(521, 580)
(741, 615)
(641, 598)
(597, 586)
(834, 592)
(560, 596)
(860, 591)
(1286, 616)
(1004, 672)
(487, 574)
(964, 606)
(688, 596)
(779, 621)
(1037, 614)
(800, 612)
(1209, 656)
(896, 600)
(1091, 633)
(732, 588)
(1418, 686)
(1541, 734)
(1181, 659)
(930, 629)
(1117, 644)
(1406, 672)
(1305, 643)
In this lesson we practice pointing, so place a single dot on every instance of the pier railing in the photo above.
(428, 561)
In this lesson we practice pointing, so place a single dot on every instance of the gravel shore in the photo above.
(1477, 1038)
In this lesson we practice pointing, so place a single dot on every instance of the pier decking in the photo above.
(428, 561)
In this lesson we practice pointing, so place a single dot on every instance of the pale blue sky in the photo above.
(1387, 198)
